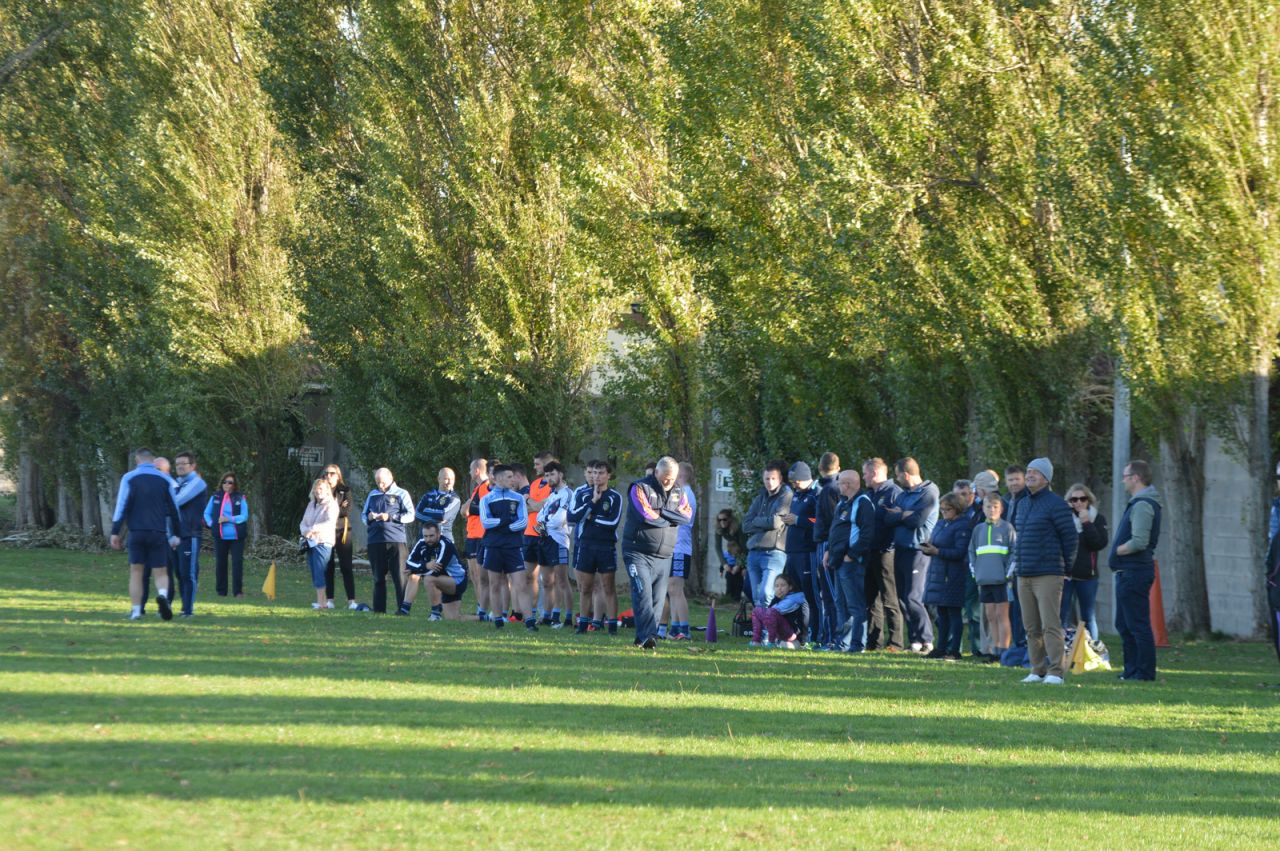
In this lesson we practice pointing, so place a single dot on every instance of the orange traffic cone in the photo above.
(1158, 628)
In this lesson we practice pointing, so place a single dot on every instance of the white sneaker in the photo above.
(353, 605)
(316, 606)
(135, 616)
(916, 647)
(1051, 680)
(1035, 678)
(927, 647)
(328, 604)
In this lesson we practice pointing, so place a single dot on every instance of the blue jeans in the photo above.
(1086, 594)
(318, 561)
(763, 567)
(851, 605)
(826, 589)
(1133, 622)
(648, 575)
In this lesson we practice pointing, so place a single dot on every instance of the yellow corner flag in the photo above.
(1084, 658)
(269, 586)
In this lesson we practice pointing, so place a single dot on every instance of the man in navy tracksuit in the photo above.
(386, 510)
(802, 550)
(1133, 560)
(886, 629)
(145, 503)
(191, 496)
(655, 507)
(913, 517)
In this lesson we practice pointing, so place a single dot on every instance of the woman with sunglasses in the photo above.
(731, 547)
(343, 546)
(227, 514)
(1082, 577)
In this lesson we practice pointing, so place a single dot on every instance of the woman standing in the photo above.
(731, 548)
(318, 526)
(1082, 576)
(343, 546)
(948, 568)
(227, 514)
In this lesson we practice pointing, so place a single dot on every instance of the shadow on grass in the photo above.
(505, 776)
(585, 719)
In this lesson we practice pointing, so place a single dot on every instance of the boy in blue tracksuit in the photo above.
(191, 495)
(505, 517)
(145, 504)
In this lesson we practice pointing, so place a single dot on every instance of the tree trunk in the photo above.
(1258, 448)
(90, 516)
(33, 510)
(68, 513)
(1181, 485)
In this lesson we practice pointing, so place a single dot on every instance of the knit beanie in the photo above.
(1043, 466)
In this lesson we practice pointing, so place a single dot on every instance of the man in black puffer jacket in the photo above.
(655, 507)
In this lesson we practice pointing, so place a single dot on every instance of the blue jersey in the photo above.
(146, 502)
(505, 518)
(596, 519)
(442, 553)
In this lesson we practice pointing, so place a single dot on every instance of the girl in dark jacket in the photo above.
(343, 546)
(731, 548)
(948, 550)
(1082, 577)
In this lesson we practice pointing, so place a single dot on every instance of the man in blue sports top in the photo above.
(145, 503)
(594, 512)
(440, 505)
(1133, 560)
(386, 511)
(162, 464)
(191, 496)
(505, 517)
(434, 562)
(655, 507)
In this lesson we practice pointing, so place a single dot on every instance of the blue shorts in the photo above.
(458, 591)
(475, 549)
(596, 558)
(149, 549)
(503, 559)
(551, 553)
(680, 566)
(530, 548)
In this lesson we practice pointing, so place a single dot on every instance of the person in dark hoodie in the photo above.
(1044, 548)
(912, 518)
(800, 546)
(766, 538)
(656, 506)
(828, 496)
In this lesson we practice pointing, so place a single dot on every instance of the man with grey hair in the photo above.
(386, 511)
(655, 508)
(145, 504)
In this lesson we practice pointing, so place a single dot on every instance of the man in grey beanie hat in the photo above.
(1043, 551)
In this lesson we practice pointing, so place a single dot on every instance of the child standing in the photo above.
(990, 551)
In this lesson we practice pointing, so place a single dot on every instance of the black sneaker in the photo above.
(581, 629)
(546, 620)
(166, 611)
(402, 613)
(650, 643)
(499, 623)
(935, 653)
(531, 626)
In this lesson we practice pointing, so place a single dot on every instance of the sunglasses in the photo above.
(228, 481)
(1077, 499)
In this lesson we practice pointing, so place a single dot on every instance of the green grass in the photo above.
(267, 726)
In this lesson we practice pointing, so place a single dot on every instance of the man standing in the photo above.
(440, 505)
(828, 495)
(505, 517)
(886, 629)
(386, 510)
(1015, 475)
(1133, 560)
(801, 549)
(475, 536)
(145, 503)
(972, 611)
(553, 545)
(595, 512)
(913, 516)
(851, 537)
(1045, 547)
(535, 493)
(191, 497)
(655, 507)
(766, 540)
(161, 463)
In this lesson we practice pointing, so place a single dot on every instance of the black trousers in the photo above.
(387, 558)
(341, 557)
(885, 625)
(234, 550)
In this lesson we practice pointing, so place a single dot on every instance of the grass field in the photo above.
(265, 726)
